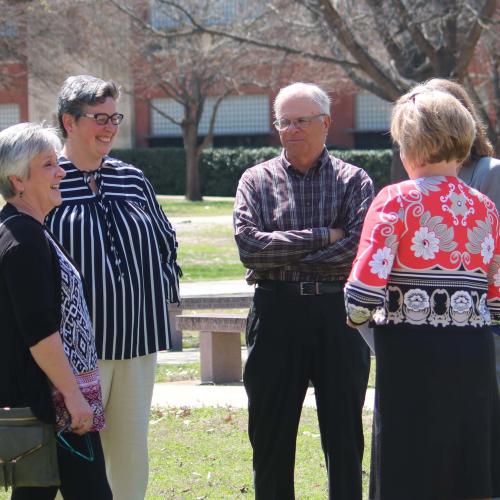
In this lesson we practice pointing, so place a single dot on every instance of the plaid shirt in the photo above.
(281, 219)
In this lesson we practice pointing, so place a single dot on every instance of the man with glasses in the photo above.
(298, 220)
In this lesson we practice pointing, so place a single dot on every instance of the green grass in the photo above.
(205, 453)
(177, 372)
(207, 251)
(171, 372)
(177, 206)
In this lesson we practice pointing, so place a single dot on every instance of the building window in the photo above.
(373, 114)
(9, 115)
(237, 115)
(216, 12)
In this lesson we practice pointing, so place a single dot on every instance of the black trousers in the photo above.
(292, 340)
(80, 479)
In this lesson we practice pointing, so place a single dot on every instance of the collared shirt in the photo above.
(126, 250)
(282, 219)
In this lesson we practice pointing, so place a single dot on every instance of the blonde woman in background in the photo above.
(480, 170)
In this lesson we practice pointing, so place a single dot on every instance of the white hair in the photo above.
(315, 93)
(19, 144)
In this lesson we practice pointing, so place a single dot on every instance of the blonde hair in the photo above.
(431, 126)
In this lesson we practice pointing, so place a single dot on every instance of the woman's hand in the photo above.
(351, 324)
(80, 411)
(51, 358)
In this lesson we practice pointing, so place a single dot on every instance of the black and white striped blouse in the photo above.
(126, 249)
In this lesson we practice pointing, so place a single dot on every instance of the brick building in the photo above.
(360, 120)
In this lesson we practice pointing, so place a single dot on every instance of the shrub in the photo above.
(221, 168)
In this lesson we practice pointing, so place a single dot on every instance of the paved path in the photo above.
(193, 394)
(192, 288)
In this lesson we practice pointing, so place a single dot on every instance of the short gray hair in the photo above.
(83, 90)
(317, 94)
(19, 144)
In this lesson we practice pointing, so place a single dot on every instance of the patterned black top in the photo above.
(281, 219)
(126, 249)
(78, 342)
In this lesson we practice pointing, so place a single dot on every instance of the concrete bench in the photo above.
(220, 345)
(233, 301)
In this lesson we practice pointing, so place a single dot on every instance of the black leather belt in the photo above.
(302, 287)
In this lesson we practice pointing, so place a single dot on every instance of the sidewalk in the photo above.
(193, 394)
(193, 288)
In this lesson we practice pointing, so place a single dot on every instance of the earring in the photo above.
(21, 194)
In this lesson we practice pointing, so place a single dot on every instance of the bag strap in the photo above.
(8, 219)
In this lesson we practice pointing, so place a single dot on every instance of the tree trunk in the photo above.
(398, 172)
(193, 188)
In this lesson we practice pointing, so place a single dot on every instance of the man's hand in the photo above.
(336, 234)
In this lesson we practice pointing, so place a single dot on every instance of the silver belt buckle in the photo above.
(306, 283)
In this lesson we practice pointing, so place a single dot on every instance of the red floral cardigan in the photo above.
(429, 254)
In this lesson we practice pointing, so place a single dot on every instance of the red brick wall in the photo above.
(17, 93)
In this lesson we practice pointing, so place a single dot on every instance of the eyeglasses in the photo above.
(104, 118)
(301, 122)
(63, 443)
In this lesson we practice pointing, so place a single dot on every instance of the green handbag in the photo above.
(28, 455)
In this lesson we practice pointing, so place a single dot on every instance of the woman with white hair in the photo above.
(427, 277)
(48, 360)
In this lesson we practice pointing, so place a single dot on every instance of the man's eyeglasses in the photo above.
(301, 122)
(104, 118)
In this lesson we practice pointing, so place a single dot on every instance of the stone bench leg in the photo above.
(175, 334)
(220, 357)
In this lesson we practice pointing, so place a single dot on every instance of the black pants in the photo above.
(437, 415)
(292, 340)
(80, 479)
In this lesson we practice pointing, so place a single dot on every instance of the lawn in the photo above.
(191, 371)
(207, 250)
(178, 206)
(204, 453)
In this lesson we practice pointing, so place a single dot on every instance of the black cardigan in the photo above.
(30, 310)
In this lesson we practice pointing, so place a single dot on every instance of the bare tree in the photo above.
(44, 41)
(383, 46)
(189, 68)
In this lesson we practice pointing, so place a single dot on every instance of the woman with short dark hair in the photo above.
(112, 225)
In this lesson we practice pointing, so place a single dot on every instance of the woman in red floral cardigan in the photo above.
(427, 277)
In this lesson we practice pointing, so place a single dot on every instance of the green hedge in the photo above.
(221, 168)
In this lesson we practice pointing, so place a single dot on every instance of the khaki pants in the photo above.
(127, 389)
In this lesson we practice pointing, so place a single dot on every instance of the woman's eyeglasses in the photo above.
(63, 443)
(104, 118)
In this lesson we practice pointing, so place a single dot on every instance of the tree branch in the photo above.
(467, 48)
(346, 37)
